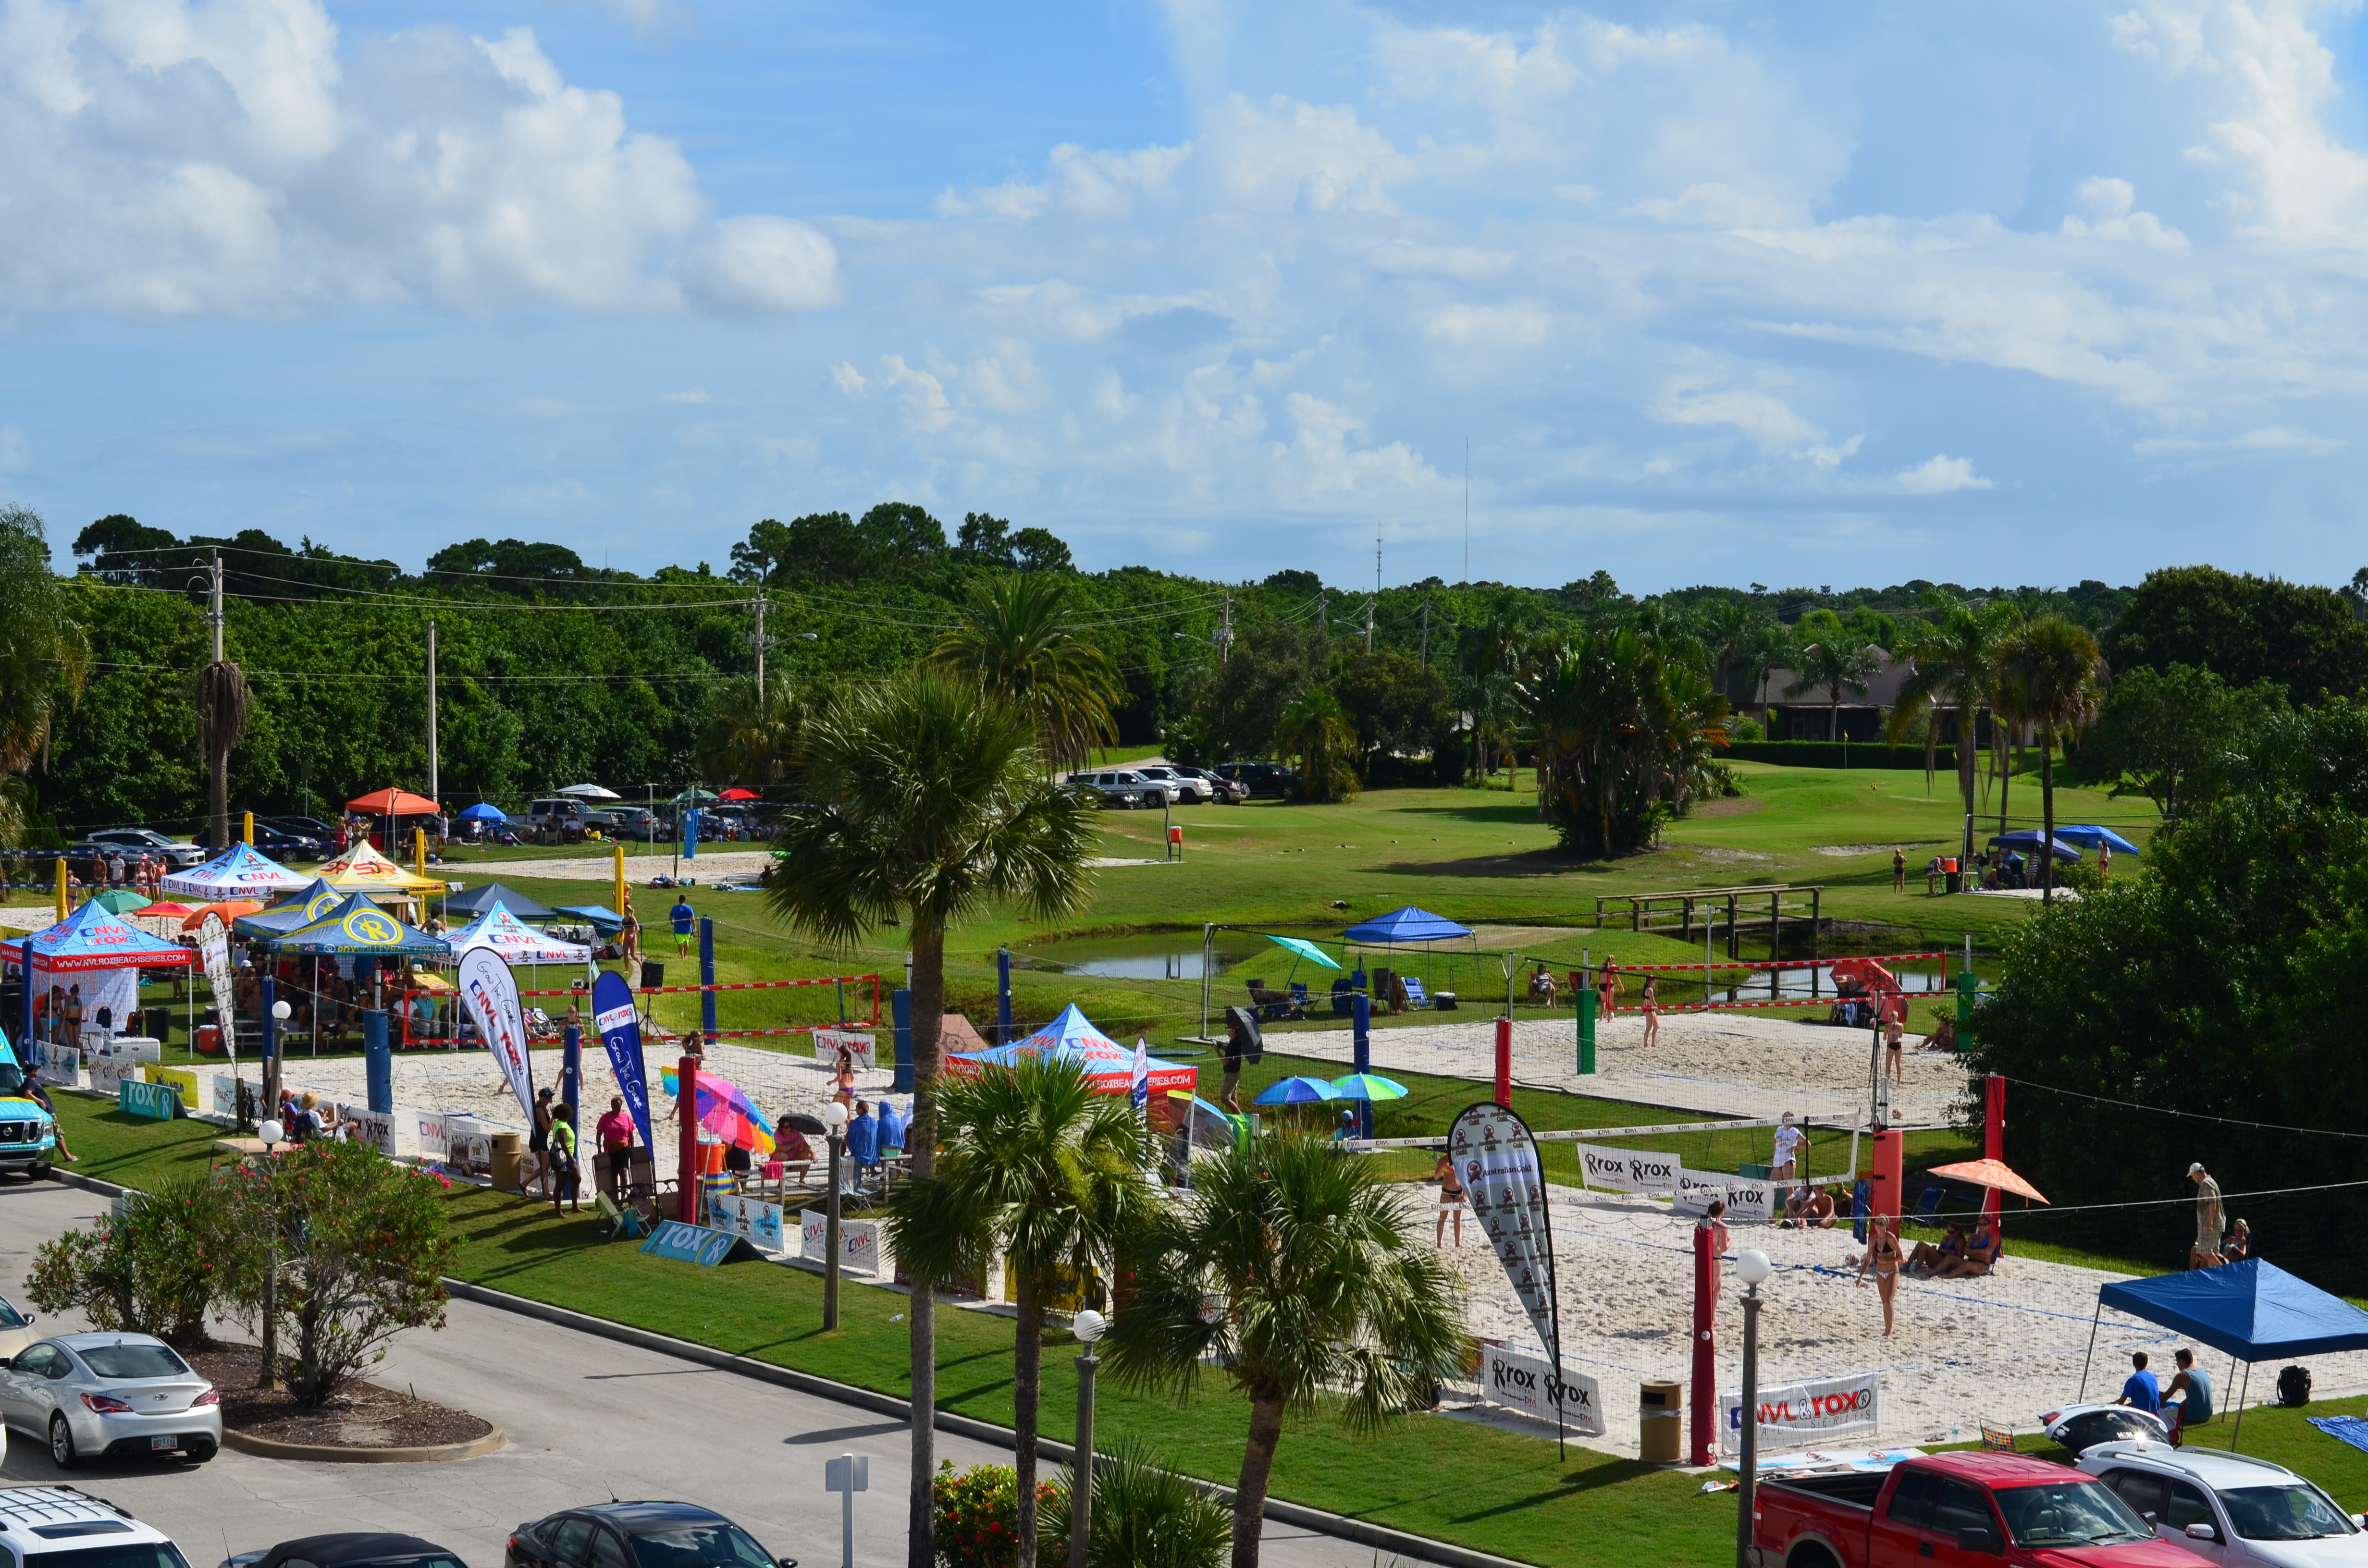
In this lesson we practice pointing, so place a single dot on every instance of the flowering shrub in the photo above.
(156, 1268)
(978, 1515)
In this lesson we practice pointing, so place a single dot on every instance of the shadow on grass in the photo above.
(1619, 1472)
(1551, 862)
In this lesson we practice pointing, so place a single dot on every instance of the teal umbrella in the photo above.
(1368, 1086)
(1297, 1091)
(1305, 949)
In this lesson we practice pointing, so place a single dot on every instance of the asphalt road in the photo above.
(588, 1419)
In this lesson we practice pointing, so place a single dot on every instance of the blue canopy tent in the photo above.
(1412, 928)
(293, 913)
(2029, 837)
(599, 916)
(2253, 1310)
(2090, 836)
(479, 899)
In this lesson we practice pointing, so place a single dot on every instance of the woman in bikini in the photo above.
(1606, 988)
(846, 1087)
(1883, 1256)
(1451, 1199)
(1652, 1011)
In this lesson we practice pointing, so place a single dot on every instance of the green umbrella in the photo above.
(1368, 1086)
(695, 796)
(116, 901)
(1305, 949)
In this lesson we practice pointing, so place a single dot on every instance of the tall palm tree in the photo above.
(925, 801)
(1831, 657)
(1316, 729)
(1018, 641)
(754, 734)
(1953, 658)
(2056, 669)
(1033, 1164)
(224, 701)
(43, 654)
(1745, 639)
(1489, 661)
(1296, 1273)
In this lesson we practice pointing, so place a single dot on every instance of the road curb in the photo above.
(331, 1453)
(1379, 1536)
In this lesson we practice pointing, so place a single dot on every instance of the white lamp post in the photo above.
(271, 1132)
(1087, 1325)
(834, 1121)
(281, 1013)
(1751, 1267)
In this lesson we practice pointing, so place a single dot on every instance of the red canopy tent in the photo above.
(739, 792)
(393, 805)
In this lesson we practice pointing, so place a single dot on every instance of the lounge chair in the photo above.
(1298, 998)
(1268, 1005)
(1928, 1212)
(1415, 996)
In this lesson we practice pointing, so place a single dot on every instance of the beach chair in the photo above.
(1996, 1439)
(1267, 1005)
(1343, 995)
(1298, 998)
(1415, 996)
(622, 1222)
(1928, 1212)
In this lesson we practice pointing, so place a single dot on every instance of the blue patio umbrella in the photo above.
(484, 810)
(1296, 1091)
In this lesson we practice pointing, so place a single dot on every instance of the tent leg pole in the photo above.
(2238, 1435)
(2093, 1318)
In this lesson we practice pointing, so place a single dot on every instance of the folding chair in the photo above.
(1928, 1212)
(1298, 998)
(622, 1222)
(1415, 996)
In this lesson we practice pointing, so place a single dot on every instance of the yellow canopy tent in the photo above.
(363, 870)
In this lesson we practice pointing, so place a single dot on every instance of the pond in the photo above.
(1169, 955)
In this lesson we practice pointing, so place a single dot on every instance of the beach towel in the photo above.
(2349, 1429)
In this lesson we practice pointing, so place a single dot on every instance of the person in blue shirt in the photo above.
(863, 1139)
(685, 919)
(893, 1123)
(2141, 1392)
(2189, 1400)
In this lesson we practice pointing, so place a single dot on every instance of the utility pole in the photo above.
(1322, 615)
(432, 792)
(1377, 588)
(1467, 508)
(1226, 630)
(756, 640)
(214, 610)
(1426, 634)
(1368, 621)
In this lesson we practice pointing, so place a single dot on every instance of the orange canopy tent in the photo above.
(227, 913)
(393, 803)
(1994, 1173)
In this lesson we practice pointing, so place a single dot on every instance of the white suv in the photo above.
(58, 1527)
(2230, 1508)
(1122, 789)
(1179, 785)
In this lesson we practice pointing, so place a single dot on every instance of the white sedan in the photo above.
(2231, 1510)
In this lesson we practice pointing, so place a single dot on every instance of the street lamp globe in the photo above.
(283, 1011)
(271, 1132)
(834, 1116)
(1752, 1267)
(1088, 1325)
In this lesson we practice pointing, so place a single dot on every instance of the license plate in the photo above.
(161, 1444)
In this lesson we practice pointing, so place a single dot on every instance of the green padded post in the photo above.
(1586, 1031)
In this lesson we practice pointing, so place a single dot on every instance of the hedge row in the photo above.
(1839, 753)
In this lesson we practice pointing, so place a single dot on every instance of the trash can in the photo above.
(1956, 877)
(508, 1147)
(1660, 1421)
(158, 1025)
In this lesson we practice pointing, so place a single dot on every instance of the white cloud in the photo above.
(1938, 475)
(2108, 202)
(1514, 325)
(693, 395)
(15, 451)
(190, 158)
(928, 410)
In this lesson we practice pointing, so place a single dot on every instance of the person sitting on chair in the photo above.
(1979, 1256)
(1934, 1260)
(1541, 985)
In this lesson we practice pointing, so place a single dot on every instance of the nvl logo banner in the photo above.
(1803, 1414)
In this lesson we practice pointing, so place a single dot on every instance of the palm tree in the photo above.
(925, 801)
(1489, 661)
(1317, 730)
(752, 734)
(1295, 1272)
(1831, 657)
(1018, 643)
(43, 654)
(1033, 1164)
(224, 701)
(2059, 673)
(1742, 636)
(1954, 657)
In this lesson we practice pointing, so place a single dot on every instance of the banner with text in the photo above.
(1799, 1414)
(490, 992)
(828, 1043)
(213, 946)
(1628, 1170)
(1505, 1184)
(1525, 1382)
(620, 1030)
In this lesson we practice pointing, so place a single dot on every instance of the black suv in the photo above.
(273, 843)
(637, 1535)
(1269, 779)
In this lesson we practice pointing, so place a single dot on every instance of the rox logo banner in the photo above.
(1625, 1170)
(1529, 1380)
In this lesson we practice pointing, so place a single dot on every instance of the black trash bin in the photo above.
(157, 1024)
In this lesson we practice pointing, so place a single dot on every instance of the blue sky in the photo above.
(2020, 293)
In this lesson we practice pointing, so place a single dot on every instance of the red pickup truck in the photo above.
(1956, 1511)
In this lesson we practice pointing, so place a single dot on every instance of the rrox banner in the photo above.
(1519, 1381)
(1498, 1159)
(857, 1045)
(1628, 1170)
(1802, 1414)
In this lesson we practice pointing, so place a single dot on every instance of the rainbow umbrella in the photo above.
(1368, 1086)
(726, 1112)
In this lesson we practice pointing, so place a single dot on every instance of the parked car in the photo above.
(637, 1535)
(557, 819)
(1120, 788)
(304, 827)
(1224, 791)
(352, 1549)
(1187, 791)
(2077, 1428)
(2230, 1508)
(112, 1395)
(629, 822)
(1269, 779)
(29, 1142)
(1968, 1507)
(71, 1529)
(177, 856)
(274, 843)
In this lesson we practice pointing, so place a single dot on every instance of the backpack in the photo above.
(2293, 1386)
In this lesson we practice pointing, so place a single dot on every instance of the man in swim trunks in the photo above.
(1883, 1256)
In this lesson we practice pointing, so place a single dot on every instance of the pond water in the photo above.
(1173, 955)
